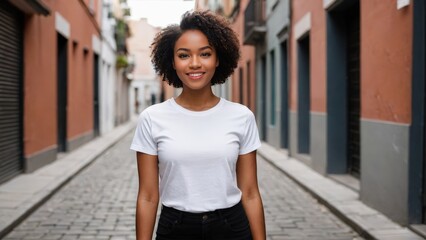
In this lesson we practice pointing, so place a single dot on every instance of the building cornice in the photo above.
(31, 7)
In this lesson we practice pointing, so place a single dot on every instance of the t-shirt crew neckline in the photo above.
(196, 113)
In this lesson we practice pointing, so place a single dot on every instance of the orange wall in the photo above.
(386, 59)
(39, 84)
(40, 87)
(247, 54)
(386, 49)
(317, 50)
(80, 88)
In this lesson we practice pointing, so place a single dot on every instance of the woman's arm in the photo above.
(251, 199)
(148, 195)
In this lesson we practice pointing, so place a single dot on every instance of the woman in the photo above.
(202, 147)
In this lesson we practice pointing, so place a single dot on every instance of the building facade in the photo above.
(57, 80)
(241, 85)
(350, 96)
(12, 148)
(341, 87)
(107, 70)
(417, 139)
(123, 65)
(243, 79)
(267, 26)
(145, 85)
(57, 77)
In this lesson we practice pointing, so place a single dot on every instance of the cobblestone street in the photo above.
(291, 213)
(99, 203)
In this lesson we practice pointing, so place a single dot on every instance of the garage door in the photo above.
(11, 163)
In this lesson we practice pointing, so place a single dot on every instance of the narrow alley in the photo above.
(99, 203)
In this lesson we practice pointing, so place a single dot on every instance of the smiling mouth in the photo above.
(195, 75)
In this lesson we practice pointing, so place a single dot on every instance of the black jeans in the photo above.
(230, 223)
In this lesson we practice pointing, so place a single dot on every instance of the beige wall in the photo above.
(138, 46)
(168, 90)
(144, 77)
(116, 9)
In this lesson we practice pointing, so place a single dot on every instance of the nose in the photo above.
(195, 62)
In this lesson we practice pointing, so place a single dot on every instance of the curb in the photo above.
(22, 195)
(341, 200)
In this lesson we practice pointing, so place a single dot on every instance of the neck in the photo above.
(197, 100)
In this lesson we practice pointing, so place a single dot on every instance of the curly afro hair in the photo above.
(220, 36)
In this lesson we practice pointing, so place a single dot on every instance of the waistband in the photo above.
(220, 212)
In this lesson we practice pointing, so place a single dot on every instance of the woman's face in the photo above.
(194, 60)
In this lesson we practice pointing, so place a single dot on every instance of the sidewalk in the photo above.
(20, 196)
(342, 201)
(23, 194)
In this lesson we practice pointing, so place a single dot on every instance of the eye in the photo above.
(183, 55)
(206, 54)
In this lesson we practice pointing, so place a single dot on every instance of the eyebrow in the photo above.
(187, 50)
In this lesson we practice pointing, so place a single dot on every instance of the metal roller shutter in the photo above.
(10, 92)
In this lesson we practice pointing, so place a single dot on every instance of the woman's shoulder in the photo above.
(156, 109)
(237, 108)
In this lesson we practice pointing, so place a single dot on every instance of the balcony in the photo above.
(254, 25)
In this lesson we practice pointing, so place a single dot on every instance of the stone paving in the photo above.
(291, 213)
(99, 203)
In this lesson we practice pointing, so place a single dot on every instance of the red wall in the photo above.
(247, 54)
(40, 83)
(386, 59)
(317, 51)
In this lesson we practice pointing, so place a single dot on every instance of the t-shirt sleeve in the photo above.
(250, 140)
(143, 140)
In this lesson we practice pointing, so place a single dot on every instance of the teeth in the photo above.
(195, 74)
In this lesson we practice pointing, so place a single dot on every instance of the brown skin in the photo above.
(193, 54)
(251, 199)
(148, 195)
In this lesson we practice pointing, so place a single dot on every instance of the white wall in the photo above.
(107, 74)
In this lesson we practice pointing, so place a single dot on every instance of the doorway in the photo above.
(62, 72)
(303, 65)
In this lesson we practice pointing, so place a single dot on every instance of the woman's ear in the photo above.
(173, 63)
(217, 63)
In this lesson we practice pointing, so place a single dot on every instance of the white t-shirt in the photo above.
(197, 152)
